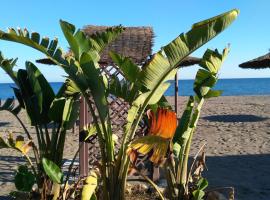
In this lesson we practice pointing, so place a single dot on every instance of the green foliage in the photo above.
(123, 89)
(199, 193)
(79, 44)
(127, 67)
(141, 87)
(205, 80)
(9, 105)
(52, 170)
(184, 122)
(43, 108)
(95, 84)
(65, 111)
(24, 179)
(8, 65)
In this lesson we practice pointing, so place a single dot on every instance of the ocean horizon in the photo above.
(230, 87)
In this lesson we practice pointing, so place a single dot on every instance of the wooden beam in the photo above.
(176, 93)
(84, 119)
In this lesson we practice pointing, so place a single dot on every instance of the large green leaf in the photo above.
(56, 109)
(213, 93)
(79, 43)
(41, 89)
(18, 95)
(52, 170)
(7, 65)
(44, 45)
(155, 97)
(71, 89)
(183, 123)
(65, 111)
(24, 179)
(198, 194)
(9, 105)
(200, 33)
(212, 60)
(206, 78)
(70, 112)
(160, 68)
(99, 41)
(76, 74)
(95, 83)
(127, 67)
(204, 81)
(123, 89)
(156, 71)
(30, 99)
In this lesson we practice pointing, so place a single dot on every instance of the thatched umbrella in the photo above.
(261, 62)
(134, 42)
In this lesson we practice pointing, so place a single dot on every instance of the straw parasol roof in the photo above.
(134, 42)
(261, 62)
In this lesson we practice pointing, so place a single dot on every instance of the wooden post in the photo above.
(176, 93)
(84, 119)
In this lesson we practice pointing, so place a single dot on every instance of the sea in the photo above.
(230, 87)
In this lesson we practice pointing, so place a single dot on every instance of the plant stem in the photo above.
(23, 126)
(30, 138)
(194, 121)
(69, 170)
(48, 140)
(32, 166)
(40, 143)
(60, 147)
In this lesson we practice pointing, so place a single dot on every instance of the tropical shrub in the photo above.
(178, 174)
(143, 87)
(44, 109)
(168, 144)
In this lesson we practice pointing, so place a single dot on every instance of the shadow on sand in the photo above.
(248, 174)
(4, 123)
(234, 118)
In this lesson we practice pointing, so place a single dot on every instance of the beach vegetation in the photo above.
(143, 88)
(187, 182)
(50, 114)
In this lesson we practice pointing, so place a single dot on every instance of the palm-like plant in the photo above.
(44, 109)
(179, 177)
(147, 85)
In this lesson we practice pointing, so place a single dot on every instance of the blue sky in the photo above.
(248, 35)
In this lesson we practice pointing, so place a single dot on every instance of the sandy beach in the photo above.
(237, 133)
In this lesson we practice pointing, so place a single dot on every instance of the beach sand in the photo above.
(237, 133)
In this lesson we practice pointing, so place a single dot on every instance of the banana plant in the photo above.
(44, 109)
(146, 86)
(180, 182)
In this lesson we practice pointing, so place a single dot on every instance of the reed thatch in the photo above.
(134, 42)
(261, 62)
